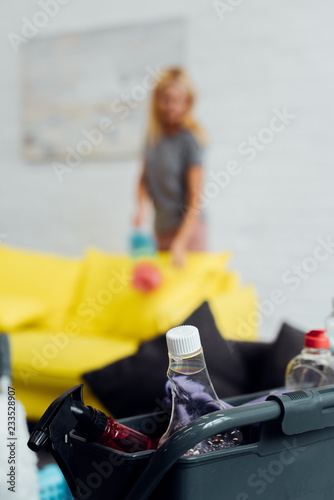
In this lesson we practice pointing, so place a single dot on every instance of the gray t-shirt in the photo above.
(166, 164)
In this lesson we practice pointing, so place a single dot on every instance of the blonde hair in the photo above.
(155, 130)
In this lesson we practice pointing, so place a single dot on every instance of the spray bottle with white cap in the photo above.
(192, 390)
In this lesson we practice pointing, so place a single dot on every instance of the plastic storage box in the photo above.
(290, 455)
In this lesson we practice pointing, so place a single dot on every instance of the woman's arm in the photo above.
(194, 180)
(142, 200)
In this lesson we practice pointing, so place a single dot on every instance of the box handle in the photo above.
(303, 411)
(195, 432)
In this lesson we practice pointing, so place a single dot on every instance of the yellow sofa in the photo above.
(68, 316)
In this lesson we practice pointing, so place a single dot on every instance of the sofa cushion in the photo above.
(17, 312)
(45, 365)
(233, 312)
(43, 279)
(106, 301)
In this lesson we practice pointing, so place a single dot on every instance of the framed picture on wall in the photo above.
(86, 94)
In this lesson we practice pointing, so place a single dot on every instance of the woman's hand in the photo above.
(178, 251)
(138, 218)
(180, 242)
(142, 201)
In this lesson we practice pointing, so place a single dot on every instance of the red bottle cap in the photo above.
(316, 339)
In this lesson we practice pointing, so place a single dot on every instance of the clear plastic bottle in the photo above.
(314, 366)
(329, 325)
(192, 392)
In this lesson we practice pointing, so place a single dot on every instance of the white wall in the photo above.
(261, 56)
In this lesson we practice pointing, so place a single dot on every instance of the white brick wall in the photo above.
(263, 55)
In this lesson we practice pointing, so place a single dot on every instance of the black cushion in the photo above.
(136, 384)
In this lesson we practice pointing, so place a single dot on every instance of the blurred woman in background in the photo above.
(172, 174)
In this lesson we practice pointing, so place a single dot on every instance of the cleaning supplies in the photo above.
(95, 426)
(314, 366)
(69, 411)
(193, 394)
(146, 275)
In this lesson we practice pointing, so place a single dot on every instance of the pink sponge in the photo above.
(146, 277)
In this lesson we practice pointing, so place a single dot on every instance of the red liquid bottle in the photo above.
(97, 427)
(123, 438)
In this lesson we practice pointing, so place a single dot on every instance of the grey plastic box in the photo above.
(290, 456)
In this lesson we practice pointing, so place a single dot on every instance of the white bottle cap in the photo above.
(183, 340)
